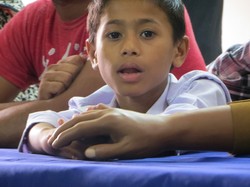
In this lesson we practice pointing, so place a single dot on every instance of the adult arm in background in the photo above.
(63, 74)
(137, 135)
(9, 93)
(13, 119)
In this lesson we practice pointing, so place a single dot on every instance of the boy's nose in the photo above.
(128, 52)
(130, 48)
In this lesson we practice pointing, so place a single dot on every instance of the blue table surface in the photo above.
(199, 169)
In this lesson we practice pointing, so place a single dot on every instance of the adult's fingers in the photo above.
(75, 150)
(81, 126)
(71, 65)
(108, 151)
(74, 59)
(86, 130)
(49, 88)
(59, 76)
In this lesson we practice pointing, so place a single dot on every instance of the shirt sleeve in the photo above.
(241, 125)
(196, 90)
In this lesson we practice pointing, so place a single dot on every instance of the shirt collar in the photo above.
(158, 107)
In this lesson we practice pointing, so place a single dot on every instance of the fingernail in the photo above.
(60, 121)
(90, 153)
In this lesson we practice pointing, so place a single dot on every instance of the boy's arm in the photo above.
(37, 142)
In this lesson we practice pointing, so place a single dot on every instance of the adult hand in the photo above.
(132, 134)
(75, 150)
(59, 76)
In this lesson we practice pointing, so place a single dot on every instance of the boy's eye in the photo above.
(114, 35)
(147, 34)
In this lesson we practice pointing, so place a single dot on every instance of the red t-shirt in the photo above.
(36, 37)
(194, 59)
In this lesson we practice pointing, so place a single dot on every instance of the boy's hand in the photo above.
(132, 134)
(59, 76)
(38, 143)
(38, 138)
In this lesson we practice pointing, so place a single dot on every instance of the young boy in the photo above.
(133, 44)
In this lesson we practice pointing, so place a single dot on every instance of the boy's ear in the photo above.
(90, 48)
(182, 49)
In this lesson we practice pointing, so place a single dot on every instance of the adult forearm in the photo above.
(11, 104)
(204, 129)
(8, 91)
(13, 120)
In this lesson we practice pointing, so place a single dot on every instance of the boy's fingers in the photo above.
(97, 107)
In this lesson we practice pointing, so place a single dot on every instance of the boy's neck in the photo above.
(139, 104)
(69, 10)
(144, 102)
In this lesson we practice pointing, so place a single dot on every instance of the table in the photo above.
(201, 169)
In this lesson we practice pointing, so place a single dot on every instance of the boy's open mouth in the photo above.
(129, 70)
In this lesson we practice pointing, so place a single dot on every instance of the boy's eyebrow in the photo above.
(114, 22)
(139, 21)
(146, 20)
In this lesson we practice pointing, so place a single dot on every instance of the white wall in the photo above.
(236, 22)
(25, 2)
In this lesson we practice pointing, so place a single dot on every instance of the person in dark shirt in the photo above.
(206, 17)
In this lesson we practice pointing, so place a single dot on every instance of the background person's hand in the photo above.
(59, 76)
(132, 134)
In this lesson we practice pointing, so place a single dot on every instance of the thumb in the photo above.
(103, 151)
(84, 57)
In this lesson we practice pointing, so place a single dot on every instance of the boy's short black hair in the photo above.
(174, 9)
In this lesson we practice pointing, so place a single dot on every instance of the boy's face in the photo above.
(134, 48)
